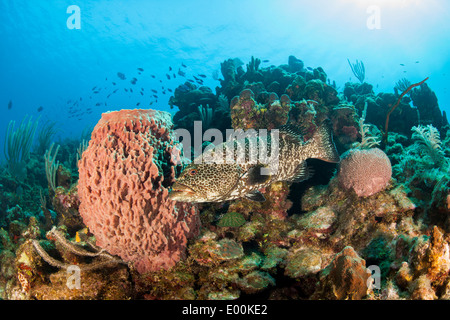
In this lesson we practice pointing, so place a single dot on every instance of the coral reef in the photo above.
(374, 227)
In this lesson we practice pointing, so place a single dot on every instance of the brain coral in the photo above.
(365, 171)
(124, 176)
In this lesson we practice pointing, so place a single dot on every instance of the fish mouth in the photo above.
(181, 192)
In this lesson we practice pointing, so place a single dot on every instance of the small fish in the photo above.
(140, 69)
(155, 96)
(198, 181)
(115, 91)
(181, 73)
(153, 76)
(265, 61)
(402, 64)
(168, 76)
(215, 75)
(113, 83)
(309, 68)
(133, 81)
(142, 89)
(126, 90)
(81, 235)
(131, 90)
(190, 80)
(96, 92)
(40, 109)
(170, 68)
(170, 90)
(174, 75)
(183, 88)
(138, 104)
(121, 75)
(141, 93)
(196, 78)
(154, 91)
(98, 104)
(417, 61)
(9, 105)
(183, 65)
(94, 88)
(202, 75)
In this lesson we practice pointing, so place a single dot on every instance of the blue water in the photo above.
(45, 64)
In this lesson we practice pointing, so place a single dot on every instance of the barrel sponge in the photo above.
(365, 171)
(124, 176)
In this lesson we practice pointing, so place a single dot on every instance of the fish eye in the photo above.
(193, 172)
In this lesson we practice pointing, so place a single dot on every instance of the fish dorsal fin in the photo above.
(323, 143)
(302, 173)
(292, 133)
(254, 175)
(292, 130)
(255, 196)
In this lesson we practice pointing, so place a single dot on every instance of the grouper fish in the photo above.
(218, 180)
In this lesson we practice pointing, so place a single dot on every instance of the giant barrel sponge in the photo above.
(123, 189)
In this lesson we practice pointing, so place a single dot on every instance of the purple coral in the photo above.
(364, 171)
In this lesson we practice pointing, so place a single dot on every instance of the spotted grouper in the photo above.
(212, 177)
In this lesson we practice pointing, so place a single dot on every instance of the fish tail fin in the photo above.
(324, 147)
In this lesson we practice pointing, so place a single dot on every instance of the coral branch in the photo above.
(396, 105)
(44, 255)
(67, 245)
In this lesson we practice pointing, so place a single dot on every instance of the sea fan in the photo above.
(428, 140)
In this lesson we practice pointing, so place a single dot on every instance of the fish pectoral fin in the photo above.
(255, 175)
(302, 173)
(255, 196)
